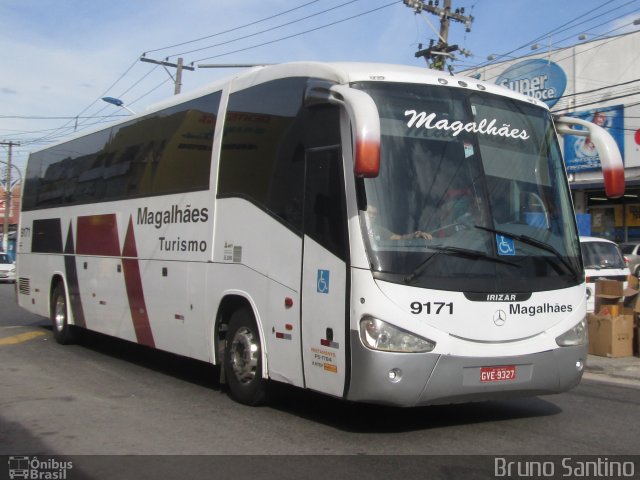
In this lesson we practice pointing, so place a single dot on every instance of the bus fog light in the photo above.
(579, 365)
(395, 375)
(574, 336)
(379, 335)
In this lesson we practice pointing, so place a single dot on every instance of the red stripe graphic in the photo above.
(133, 282)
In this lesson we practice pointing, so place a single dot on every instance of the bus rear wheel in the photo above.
(243, 360)
(63, 333)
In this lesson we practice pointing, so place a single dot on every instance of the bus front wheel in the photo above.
(243, 360)
(63, 333)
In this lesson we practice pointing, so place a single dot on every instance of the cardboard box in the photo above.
(612, 298)
(636, 336)
(609, 288)
(610, 336)
(608, 293)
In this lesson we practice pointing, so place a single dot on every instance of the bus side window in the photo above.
(325, 214)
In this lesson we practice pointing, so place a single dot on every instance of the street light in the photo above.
(13, 166)
(118, 103)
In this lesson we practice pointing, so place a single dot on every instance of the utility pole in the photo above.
(180, 66)
(7, 196)
(438, 52)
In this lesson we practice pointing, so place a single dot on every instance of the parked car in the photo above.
(602, 259)
(631, 252)
(7, 268)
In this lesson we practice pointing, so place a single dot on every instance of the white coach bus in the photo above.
(378, 233)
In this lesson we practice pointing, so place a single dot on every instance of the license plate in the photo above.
(498, 374)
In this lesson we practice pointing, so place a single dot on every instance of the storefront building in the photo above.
(598, 81)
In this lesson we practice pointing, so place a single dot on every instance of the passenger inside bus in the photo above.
(456, 210)
(377, 231)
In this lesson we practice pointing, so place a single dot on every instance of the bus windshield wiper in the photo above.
(461, 252)
(534, 242)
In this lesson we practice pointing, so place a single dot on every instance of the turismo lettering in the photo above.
(517, 309)
(175, 214)
(484, 127)
(181, 245)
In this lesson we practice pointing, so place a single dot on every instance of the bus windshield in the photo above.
(471, 196)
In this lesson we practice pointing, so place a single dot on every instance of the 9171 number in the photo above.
(432, 308)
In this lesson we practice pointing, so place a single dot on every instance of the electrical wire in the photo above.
(559, 29)
(609, 40)
(65, 128)
(66, 125)
(266, 30)
(231, 29)
(598, 101)
(299, 33)
(167, 47)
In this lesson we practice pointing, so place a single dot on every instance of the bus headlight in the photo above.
(575, 336)
(380, 335)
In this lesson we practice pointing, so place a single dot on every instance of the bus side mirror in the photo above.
(610, 158)
(365, 122)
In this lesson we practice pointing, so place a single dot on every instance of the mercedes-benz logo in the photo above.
(499, 318)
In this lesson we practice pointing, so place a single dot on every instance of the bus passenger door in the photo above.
(324, 272)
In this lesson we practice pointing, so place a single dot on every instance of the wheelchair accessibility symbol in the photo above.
(323, 281)
(506, 245)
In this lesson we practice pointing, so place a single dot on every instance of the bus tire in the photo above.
(63, 332)
(243, 360)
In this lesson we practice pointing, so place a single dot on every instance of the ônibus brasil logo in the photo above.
(34, 468)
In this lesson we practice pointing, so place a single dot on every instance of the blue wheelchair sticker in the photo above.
(506, 245)
(323, 281)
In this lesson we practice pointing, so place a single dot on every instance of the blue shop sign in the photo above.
(538, 78)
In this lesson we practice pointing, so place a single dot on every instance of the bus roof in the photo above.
(348, 72)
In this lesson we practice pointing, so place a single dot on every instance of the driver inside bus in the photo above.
(380, 232)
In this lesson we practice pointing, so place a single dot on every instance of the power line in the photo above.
(267, 30)
(551, 32)
(598, 89)
(600, 101)
(68, 126)
(608, 40)
(299, 33)
(127, 90)
(599, 19)
(232, 29)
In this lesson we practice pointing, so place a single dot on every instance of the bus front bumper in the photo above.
(415, 379)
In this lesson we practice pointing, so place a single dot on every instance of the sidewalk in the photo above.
(623, 368)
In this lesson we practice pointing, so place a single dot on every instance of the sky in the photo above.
(59, 58)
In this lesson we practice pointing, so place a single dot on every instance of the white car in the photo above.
(7, 268)
(602, 259)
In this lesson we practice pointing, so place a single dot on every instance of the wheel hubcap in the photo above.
(245, 351)
(60, 314)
